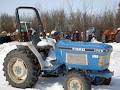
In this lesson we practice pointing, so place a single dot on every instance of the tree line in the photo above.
(75, 21)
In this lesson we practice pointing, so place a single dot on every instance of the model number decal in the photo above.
(78, 49)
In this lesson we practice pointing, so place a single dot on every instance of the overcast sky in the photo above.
(94, 6)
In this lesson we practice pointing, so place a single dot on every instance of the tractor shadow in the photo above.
(50, 83)
(54, 83)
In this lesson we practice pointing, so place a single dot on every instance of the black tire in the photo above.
(80, 79)
(34, 58)
(102, 81)
(31, 68)
(98, 81)
(107, 81)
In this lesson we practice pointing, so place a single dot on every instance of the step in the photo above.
(51, 68)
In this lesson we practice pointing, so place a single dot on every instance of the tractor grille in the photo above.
(80, 59)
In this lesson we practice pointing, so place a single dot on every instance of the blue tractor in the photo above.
(82, 63)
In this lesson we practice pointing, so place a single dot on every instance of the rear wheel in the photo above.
(75, 81)
(20, 69)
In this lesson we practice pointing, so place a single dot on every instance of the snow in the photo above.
(94, 40)
(47, 41)
(52, 83)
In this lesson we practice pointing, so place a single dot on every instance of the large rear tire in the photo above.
(76, 81)
(21, 68)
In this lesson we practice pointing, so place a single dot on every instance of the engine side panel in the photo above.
(83, 55)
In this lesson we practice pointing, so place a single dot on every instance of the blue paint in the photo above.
(92, 62)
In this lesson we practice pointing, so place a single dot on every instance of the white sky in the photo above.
(94, 6)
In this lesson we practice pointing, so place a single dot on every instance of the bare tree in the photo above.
(7, 23)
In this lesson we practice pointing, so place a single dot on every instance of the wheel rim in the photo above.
(75, 84)
(17, 70)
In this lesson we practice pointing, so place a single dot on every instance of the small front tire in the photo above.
(76, 81)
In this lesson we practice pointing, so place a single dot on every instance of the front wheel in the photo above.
(76, 81)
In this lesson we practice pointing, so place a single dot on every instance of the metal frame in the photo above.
(40, 25)
(34, 50)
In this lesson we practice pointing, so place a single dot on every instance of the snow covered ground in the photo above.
(56, 83)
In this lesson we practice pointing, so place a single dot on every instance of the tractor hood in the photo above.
(84, 46)
(83, 55)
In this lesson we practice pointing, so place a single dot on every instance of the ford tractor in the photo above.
(81, 63)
